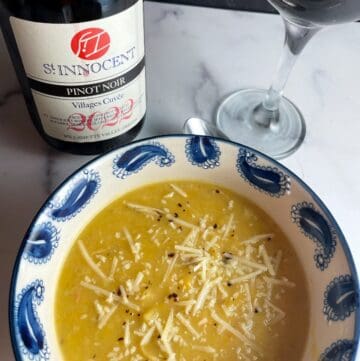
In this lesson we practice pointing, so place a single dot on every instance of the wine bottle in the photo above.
(81, 67)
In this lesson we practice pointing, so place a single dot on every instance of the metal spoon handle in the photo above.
(200, 126)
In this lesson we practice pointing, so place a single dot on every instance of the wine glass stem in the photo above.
(296, 37)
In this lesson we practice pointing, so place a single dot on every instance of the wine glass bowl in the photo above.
(318, 12)
(264, 119)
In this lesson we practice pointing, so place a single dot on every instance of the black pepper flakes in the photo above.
(176, 215)
(171, 254)
(173, 296)
(120, 339)
(229, 284)
(256, 310)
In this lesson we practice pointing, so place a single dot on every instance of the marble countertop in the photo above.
(195, 57)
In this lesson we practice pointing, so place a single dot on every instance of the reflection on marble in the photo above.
(195, 57)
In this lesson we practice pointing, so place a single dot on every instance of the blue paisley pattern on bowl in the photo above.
(136, 158)
(29, 329)
(342, 350)
(41, 243)
(340, 298)
(78, 194)
(264, 178)
(314, 226)
(202, 152)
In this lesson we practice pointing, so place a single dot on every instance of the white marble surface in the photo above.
(195, 57)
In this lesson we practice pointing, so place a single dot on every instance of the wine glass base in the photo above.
(235, 118)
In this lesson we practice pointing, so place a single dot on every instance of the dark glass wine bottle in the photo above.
(81, 67)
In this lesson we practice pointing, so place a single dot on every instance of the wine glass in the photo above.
(264, 119)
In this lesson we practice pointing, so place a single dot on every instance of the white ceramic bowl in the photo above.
(315, 235)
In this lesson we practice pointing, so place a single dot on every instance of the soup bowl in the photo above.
(314, 234)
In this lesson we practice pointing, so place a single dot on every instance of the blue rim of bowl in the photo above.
(320, 203)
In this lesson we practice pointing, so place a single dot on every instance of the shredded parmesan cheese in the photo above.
(127, 339)
(168, 326)
(133, 248)
(280, 313)
(266, 258)
(203, 294)
(147, 337)
(248, 334)
(228, 226)
(235, 332)
(126, 301)
(170, 268)
(178, 190)
(103, 321)
(212, 242)
(222, 290)
(180, 222)
(99, 290)
(246, 277)
(189, 250)
(185, 303)
(145, 209)
(164, 334)
(113, 268)
(252, 264)
(138, 279)
(248, 297)
(187, 325)
(191, 238)
(169, 195)
(158, 326)
(90, 261)
(279, 282)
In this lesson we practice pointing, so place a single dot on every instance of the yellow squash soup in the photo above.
(182, 271)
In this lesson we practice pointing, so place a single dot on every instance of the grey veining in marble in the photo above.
(195, 57)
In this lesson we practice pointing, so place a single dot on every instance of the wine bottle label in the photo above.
(87, 79)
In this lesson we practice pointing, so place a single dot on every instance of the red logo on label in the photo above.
(90, 43)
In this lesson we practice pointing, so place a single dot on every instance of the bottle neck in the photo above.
(63, 11)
